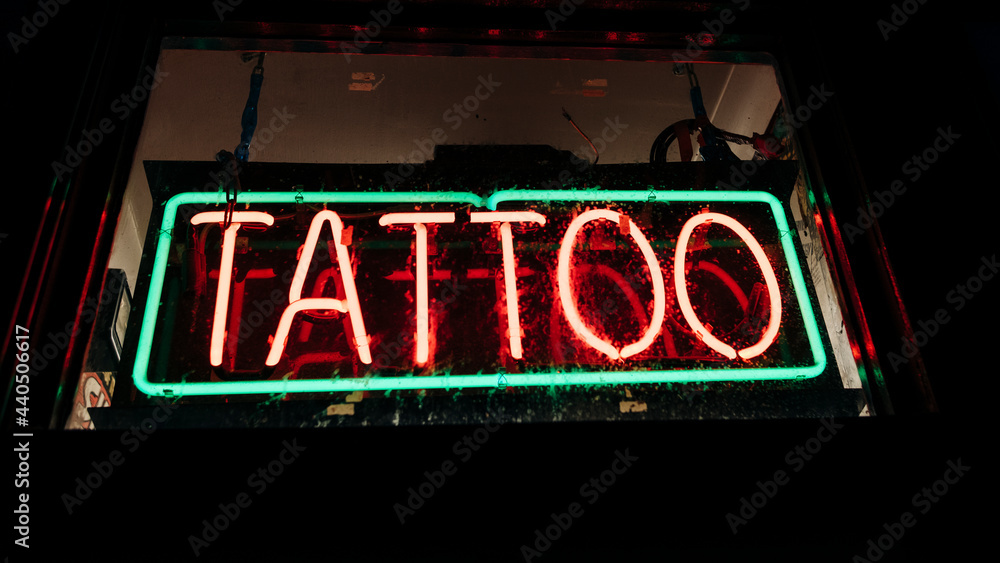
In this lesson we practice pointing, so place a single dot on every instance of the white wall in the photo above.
(195, 111)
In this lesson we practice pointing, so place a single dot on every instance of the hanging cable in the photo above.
(249, 120)
(235, 162)
(712, 140)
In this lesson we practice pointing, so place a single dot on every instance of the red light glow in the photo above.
(226, 271)
(510, 267)
(566, 294)
(419, 220)
(680, 286)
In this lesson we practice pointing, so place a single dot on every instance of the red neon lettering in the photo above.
(226, 271)
(419, 221)
(684, 301)
(510, 267)
(296, 304)
(569, 303)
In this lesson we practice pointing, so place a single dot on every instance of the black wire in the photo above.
(658, 152)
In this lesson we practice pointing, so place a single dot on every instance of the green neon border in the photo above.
(140, 373)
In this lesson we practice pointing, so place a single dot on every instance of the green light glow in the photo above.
(140, 372)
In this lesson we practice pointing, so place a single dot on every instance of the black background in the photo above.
(336, 500)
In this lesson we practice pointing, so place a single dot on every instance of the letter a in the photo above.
(296, 304)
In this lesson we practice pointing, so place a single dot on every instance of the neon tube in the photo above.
(285, 324)
(418, 221)
(353, 306)
(423, 328)
(143, 373)
(416, 218)
(633, 299)
(510, 288)
(680, 286)
(510, 267)
(217, 342)
(566, 294)
(242, 216)
(506, 217)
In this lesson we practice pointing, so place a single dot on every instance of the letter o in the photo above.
(569, 304)
(261, 135)
(680, 286)
(470, 99)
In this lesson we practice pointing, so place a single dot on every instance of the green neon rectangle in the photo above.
(141, 374)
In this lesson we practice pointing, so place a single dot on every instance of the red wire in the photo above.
(584, 135)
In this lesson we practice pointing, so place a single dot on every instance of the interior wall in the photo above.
(324, 108)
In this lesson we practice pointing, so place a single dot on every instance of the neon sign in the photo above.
(452, 290)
